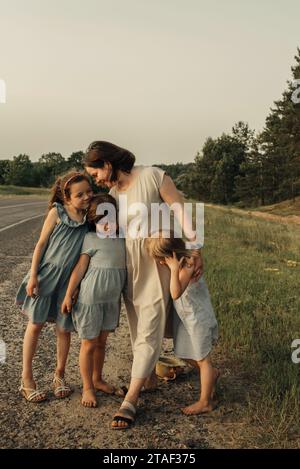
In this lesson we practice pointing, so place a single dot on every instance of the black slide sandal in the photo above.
(119, 418)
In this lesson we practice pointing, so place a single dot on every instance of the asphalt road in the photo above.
(17, 211)
(21, 220)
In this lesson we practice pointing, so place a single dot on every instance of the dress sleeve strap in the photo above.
(88, 246)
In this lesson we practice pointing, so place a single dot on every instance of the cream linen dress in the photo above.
(147, 293)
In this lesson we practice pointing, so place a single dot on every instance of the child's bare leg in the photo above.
(63, 339)
(207, 379)
(98, 362)
(195, 365)
(86, 360)
(29, 348)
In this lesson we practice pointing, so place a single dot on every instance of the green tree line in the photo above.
(21, 171)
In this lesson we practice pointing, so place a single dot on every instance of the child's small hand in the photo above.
(173, 263)
(67, 304)
(32, 287)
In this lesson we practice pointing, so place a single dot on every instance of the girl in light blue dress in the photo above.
(43, 288)
(195, 327)
(101, 270)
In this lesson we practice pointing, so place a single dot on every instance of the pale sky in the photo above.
(155, 76)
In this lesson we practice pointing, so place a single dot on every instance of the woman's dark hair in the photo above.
(60, 191)
(100, 152)
(98, 199)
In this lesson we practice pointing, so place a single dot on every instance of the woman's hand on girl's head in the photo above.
(66, 307)
(32, 287)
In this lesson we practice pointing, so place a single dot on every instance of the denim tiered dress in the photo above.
(147, 295)
(99, 300)
(59, 259)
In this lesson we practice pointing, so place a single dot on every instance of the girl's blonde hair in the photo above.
(60, 191)
(165, 244)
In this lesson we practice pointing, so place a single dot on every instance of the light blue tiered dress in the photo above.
(99, 301)
(57, 263)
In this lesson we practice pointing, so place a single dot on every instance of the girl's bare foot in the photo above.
(199, 407)
(89, 398)
(101, 385)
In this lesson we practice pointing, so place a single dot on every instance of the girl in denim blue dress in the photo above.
(43, 288)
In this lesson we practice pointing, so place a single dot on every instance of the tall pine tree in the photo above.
(280, 143)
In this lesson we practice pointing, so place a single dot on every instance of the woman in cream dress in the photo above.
(147, 296)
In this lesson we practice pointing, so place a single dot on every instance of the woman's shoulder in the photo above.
(150, 169)
(153, 174)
